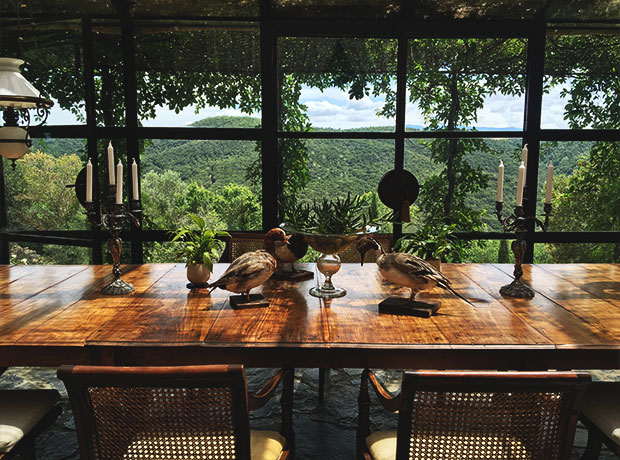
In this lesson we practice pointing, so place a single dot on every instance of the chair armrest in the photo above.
(389, 402)
(262, 397)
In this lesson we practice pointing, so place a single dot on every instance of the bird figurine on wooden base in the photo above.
(250, 270)
(287, 255)
(409, 271)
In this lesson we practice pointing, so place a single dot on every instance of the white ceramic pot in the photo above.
(198, 273)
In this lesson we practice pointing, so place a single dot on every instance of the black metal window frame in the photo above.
(268, 134)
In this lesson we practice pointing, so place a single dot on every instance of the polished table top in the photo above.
(51, 315)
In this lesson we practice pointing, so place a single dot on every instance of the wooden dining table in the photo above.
(52, 315)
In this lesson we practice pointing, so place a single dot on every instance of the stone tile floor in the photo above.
(323, 432)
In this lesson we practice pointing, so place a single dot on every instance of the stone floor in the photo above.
(323, 432)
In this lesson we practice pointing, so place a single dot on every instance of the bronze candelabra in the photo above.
(517, 223)
(110, 220)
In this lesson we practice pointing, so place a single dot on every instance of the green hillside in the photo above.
(338, 166)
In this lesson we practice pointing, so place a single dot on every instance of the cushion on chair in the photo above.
(20, 411)
(382, 445)
(264, 445)
(601, 404)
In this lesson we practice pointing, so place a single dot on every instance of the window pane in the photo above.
(189, 71)
(585, 186)
(465, 84)
(563, 253)
(48, 254)
(36, 193)
(464, 193)
(219, 180)
(336, 83)
(581, 77)
(110, 96)
(52, 51)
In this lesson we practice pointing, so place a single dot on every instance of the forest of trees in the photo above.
(448, 79)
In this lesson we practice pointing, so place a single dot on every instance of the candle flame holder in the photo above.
(110, 219)
(517, 223)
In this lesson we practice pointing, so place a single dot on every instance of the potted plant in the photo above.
(329, 226)
(200, 247)
(433, 243)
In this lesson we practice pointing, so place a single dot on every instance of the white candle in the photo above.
(500, 181)
(119, 183)
(111, 163)
(549, 183)
(524, 155)
(134, 179)
(520, 182)
(89, 182)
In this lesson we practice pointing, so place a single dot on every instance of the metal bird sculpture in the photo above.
(406, 269)
(252, 269)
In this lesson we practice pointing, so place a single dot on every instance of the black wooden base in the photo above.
(299, 275)
(196, 286)
(518, 290)
(402, 306)
(241, 301)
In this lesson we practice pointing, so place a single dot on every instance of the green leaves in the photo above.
(200, 244)
(432, 242)
(338, 216)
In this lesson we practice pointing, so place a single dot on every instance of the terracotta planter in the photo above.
(198, 273)
(436, 263)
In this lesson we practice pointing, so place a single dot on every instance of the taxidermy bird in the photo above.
(290, 250)
(252, 269)
(406, 269)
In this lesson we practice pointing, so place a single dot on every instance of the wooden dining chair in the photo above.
(600, 413)
(474, 415)
(197, 412)
(24, 415)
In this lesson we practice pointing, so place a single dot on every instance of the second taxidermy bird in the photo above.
(406, 269)
(252, 269)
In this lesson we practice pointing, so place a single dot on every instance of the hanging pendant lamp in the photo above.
(17, 97)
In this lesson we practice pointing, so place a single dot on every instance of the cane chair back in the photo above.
(488, 415)
(136, 413)
(240, 243)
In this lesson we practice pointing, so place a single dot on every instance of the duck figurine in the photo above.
(252, 269)
(406, 269)
(287, 255)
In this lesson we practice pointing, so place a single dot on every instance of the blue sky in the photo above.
(332, 108)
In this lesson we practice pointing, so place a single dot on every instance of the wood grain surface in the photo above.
(55, 314)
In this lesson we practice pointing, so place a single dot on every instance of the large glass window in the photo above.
(458, 84)
(189, 71)
(218, 180)
(336, 83)
(581, 75)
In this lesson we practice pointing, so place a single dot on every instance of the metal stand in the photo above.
(111, 221)
(517, 223)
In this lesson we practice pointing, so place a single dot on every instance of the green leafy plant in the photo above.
(432, 242)
(199, 244)
(338, 216)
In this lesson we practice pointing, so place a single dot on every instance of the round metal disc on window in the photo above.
(396, 187)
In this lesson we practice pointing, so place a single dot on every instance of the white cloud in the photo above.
(332, 108)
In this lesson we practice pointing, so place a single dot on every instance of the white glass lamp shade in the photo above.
(18, 144)
(15, 90)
